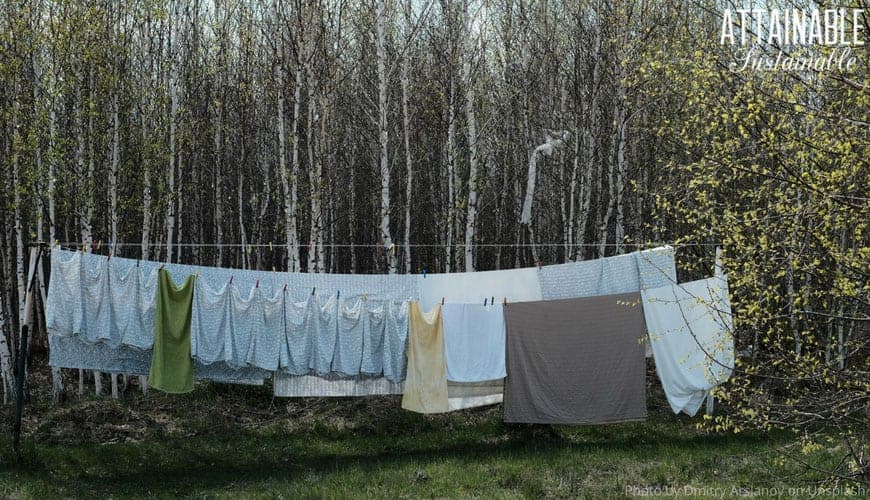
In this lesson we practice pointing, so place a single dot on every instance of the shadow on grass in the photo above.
(170, 465)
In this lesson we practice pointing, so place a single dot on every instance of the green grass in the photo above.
(224, 441)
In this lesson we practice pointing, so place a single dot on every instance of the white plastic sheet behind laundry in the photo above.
(690, 331)
(517, 285)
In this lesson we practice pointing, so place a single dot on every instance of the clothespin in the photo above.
(540, 264)
(257, 285)
(393, 248)
(99, 244)
(484, 301)
(137, 262)
(285, 287)
(492, 300)
(442, 301)
(312, 290)
(424, 272)
(231, 279)
(505, 301)
(337, 294)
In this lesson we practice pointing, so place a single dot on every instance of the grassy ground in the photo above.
(230, 441)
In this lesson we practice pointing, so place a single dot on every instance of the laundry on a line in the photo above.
(556, 344)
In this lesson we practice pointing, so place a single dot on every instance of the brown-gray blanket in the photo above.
(575, 361)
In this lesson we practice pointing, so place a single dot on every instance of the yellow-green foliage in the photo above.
(774, 166)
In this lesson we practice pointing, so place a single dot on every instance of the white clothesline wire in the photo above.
(70, 244)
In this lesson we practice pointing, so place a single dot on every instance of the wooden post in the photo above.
(26, 325)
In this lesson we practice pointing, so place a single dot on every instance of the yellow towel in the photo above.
(426, 382)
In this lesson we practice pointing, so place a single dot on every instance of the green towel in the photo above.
(171, 364)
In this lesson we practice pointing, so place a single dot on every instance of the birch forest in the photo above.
(411, 136)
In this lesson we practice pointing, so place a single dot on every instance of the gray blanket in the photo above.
(575, 361)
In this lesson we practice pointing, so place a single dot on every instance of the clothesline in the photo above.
(102, 314)
(75, 244)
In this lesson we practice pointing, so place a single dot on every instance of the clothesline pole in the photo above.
(26, 326)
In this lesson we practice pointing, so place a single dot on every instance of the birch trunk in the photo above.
(386, 239)
(146, 196)
(315, 177)
(113, 176)
(87, 225)
(293, 239)
(620, 163)
(113, 201)
(551, 143)
(289, 208)
(173, 115)
(56, 373)
(605, 220)
(471, 123)
(16, 196)
(218, 188)
(406, 129)
(5, 361)
(451, 174)
(589, 148)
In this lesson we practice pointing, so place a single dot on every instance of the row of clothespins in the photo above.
(490, 301)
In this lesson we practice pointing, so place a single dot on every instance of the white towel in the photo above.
(474, 342)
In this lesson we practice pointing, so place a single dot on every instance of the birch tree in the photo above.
(383, 134)
(471, 125)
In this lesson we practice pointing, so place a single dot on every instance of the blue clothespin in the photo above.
(484, 301)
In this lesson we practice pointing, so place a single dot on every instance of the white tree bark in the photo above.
(218, 186)
(621, 166)
(471, 124)
(605, 220)
(56, 373)
(451, 178)
(113, 175)
(5, 362)
(315, 177)
(386, 238)
(588, 164)
(292, 244)
(295, 264)
(406, 129)
(552, 142)
(113, 199)
(16, 196)
(173, 116)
